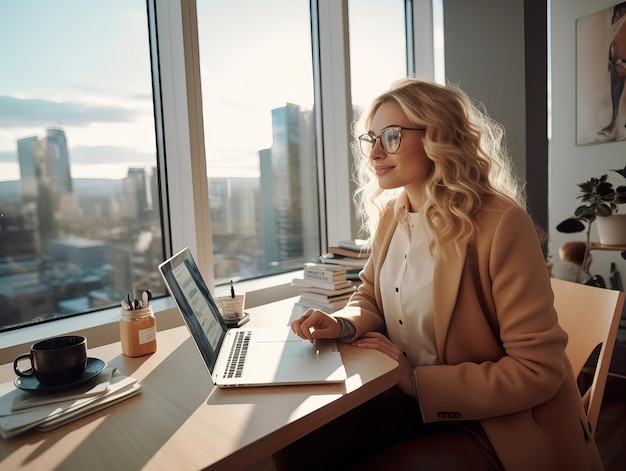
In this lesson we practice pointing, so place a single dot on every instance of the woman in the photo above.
(456, 290)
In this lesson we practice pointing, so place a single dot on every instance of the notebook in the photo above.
(245, 356)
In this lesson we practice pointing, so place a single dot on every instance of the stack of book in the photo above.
(351, 254)
(324, 286)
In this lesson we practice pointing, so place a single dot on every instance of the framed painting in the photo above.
(600, 76)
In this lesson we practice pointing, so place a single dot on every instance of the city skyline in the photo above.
(63, 251)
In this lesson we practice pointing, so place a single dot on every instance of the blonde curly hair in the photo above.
(468, 152)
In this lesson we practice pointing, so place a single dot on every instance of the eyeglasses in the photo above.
(390, 139)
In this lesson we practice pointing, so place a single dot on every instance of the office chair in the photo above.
(590, 316)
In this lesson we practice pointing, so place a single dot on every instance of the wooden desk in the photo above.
(181, 421)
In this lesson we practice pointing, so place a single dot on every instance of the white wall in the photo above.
(484, 54)
(570, 164)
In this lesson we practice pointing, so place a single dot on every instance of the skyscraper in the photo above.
(45, 176)
(56, 149)
(289, 175)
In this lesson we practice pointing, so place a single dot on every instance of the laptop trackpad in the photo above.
(289, 349)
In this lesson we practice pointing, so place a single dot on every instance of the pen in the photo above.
(232, 289)
(146, 296)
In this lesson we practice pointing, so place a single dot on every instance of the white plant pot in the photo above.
(612, 229)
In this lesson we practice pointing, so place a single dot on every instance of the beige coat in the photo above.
(499, 340)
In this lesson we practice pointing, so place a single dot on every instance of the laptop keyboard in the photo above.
(237, 356)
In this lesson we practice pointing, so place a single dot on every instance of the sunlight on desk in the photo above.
(353, 382)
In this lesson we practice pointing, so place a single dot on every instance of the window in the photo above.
(79, 209)
(377, 48)
(101, 179)
(259, 129)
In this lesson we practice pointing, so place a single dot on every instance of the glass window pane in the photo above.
(79, 208)
(377, 48)
(257, 88)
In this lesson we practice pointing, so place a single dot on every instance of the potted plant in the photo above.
(600, 201)
(612, 228)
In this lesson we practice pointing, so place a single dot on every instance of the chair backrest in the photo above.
(590, 316)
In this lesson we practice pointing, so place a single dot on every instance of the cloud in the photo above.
(8, 156)
(96, 155)
(19, 112)
(109, 155)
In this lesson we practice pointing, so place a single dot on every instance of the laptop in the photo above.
(245, 356)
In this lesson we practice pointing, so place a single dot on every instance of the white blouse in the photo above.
(406, 285)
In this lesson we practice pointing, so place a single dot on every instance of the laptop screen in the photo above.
(187, 287)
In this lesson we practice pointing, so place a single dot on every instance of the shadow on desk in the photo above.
(161, 408)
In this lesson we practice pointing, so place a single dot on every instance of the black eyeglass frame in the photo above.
(371, 140)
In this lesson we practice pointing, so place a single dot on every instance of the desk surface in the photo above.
(181, 421)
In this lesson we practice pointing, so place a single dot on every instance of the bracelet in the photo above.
(347, 329)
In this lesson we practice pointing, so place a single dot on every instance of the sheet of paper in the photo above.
(22, 420)
(97, 387)
(95, 406)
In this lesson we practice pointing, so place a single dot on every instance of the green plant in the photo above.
(599, 198)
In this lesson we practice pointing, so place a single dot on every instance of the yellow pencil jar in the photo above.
(138, 332)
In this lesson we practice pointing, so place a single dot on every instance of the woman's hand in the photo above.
(316, 324)
(377, 341)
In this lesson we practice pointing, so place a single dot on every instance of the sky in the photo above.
(85, 67)
(63, 65)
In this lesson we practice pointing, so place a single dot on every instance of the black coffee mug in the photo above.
(55, 361)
